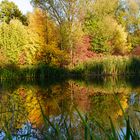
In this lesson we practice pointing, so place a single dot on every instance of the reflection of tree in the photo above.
(12, 112)
(19, 106)
(103, 107)
(98, 103)
(80, 96)
(53, 101)
(60, 100)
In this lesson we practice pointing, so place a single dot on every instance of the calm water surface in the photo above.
(23, 104)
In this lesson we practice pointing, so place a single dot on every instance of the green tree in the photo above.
(134, 38)
(12, 40)
(129, 16)
(9, 10)
(17, 43)
(107, 35)
(103, 8)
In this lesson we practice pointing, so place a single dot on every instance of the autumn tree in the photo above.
(47, 37)
(68, 15)
(128, 15)
(9, 10)
(63, 10)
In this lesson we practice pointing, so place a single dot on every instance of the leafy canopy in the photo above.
(9, 10)
(107, 35)
(47, 37)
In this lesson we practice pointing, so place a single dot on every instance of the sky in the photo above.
(23, 5)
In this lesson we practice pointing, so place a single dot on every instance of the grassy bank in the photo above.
(111, 65)
(103, 66)
(31, 72)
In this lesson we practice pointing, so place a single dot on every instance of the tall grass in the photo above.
(111, 65)
(31, 72)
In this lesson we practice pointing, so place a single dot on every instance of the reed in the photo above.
(111, 65)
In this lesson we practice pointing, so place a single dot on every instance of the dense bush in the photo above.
(16, 44)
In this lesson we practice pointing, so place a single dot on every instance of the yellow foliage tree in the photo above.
(47, 36)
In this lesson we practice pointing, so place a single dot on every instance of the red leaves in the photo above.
(136, 51)
(82, 51)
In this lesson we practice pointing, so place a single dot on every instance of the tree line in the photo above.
(50, 34)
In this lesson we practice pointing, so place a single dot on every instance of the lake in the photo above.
(23, 105)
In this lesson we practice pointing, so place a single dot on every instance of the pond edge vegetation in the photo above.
(108, 66)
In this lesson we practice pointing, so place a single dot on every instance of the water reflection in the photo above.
(21, 105)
